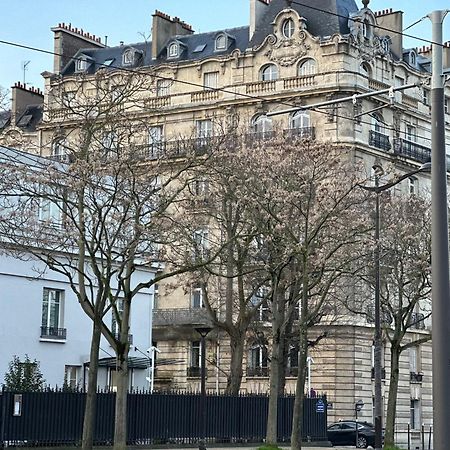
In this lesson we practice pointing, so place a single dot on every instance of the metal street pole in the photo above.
(439, 245)
(203, 331)
(377, 338)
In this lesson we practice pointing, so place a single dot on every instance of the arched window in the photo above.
(59, 149)
(269, 72)
(128, 57)
(367, 29)
(300, 119)
(173, 50)
(307, 67)
(366, 70)
(378, 123)
(288, 28)
(412, 59)
(262, 126)
(221, 42)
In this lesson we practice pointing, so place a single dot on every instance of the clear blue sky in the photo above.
(28, 22)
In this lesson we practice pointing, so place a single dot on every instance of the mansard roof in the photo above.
(323, 18)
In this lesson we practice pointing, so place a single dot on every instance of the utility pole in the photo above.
(439, 244)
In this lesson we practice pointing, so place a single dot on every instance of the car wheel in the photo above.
(362, 442)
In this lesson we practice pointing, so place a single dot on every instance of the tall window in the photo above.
(412, 185)
(378, 124)
(415, 416)
(173, 50)
(52, 305)
(446, 105)
(163, 88)
(262, 125)
(72, 376)
(200, 241)
(197, 297)
(210, 80)
(411, 133)
(155, 141)
(299, 119)
(51, 211)
(307, 67)
(115, 328)
(196, 354)
(257, 364)
(110, 141)
(204, 128)
(269, 73)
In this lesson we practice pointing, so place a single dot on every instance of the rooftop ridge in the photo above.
(79, 32)
(31, 89)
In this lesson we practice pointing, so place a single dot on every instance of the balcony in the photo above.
(292, 372)
(56, 334)
(379, 140)
(257, 372)
(416, 377)
(412, 150)
(301, 132)
(180, 317)
(383, 373)
(195, 372)
(417, 321)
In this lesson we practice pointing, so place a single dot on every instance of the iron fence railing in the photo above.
(53, 333)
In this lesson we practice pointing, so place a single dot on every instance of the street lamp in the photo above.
(203, 332)
(378, 407)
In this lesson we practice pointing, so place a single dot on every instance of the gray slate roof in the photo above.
(318, 23)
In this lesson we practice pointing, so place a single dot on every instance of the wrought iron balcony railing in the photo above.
(53, 333)
(301, 132)
(195, 372)
(379, 140)
(417, 321)
(257, 371)
(179, 317)
(416, 377)
(412, 150)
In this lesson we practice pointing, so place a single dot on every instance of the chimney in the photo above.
(23, 96)
(67, 40)
(425, 51)
(163, 28)
(257, 10)
(391, 20)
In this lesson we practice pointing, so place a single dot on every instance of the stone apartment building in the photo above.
(299, 54)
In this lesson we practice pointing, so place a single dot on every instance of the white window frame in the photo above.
(288, 28)
(204, 128)
(72, 376)
(307, 67)
(195, 360)
(300, 119)
(200, 238)
(218, 45)
(197, 300)
(81, 64)
(262, 125)
(269, 72)
(411, 133)
(173, 50)
(378, 124)
(53, 298)
(412, 185)
(163, 87)
(128, 57)
(51, 212)
(156, 141)
(211, 80)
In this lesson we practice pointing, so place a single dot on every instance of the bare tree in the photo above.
(109, 204)
(310, 209)
(405, 258)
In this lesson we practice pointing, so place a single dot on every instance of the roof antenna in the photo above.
(24, 69)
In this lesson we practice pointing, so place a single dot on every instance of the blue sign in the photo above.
(320, 406)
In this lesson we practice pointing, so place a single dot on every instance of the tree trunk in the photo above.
(272, 416)
(120, 427)
(235, 377)
(297, 418)
(392, 399)
(91, 395)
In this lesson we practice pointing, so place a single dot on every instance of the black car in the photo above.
(344, 433)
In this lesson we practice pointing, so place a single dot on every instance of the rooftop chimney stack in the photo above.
(391, 20)
(257, 10)
(23, 96)
(67, 40)
(163, 28)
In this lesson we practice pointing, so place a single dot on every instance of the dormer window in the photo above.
(288, 28)
(174, 50)
(128, 57)
(412, 59)
(221, 42)
(81, 64)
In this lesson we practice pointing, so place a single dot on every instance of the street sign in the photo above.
(320, 406)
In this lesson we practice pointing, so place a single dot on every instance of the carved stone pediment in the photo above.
(286, 52)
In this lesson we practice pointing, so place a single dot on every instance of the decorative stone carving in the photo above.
(287, 52)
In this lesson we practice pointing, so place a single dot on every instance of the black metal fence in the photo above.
(56, 418)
